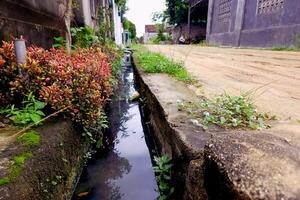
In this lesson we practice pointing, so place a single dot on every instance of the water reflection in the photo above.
(125, 171)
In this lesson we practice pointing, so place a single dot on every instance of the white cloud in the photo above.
(140, 12)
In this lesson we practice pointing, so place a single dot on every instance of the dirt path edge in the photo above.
(217, 164)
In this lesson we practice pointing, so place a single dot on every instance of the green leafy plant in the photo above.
(30, 113)
(227, 111)
(163, 175)
(83, 37)
(59, 42)
(78, 83)
(156, 63)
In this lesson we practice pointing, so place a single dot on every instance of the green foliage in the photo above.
(163, 176)
(30, 138)
(279, 48)
(128, 25)
(228, 111)
(116, 67)
(79, 82)
(156, 63)
(83, 37)
(161, 35)
(20, 159)
(16, 168)
(177, 11)
(4, 181)
(30, 113)
(122, 6)
(59, 42)
(160, 32)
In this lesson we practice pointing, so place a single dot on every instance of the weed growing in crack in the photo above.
(163, 176)
(227, 111)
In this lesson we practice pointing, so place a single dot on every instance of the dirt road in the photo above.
(273, 75)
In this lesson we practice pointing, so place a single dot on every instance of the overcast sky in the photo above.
(140, 12)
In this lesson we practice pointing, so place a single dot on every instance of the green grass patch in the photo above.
(16, 168)
(151, 62)
(31, 138)
(227, 111)
(285, 49)
(4, 181)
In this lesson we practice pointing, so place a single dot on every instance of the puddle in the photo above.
(124, 171)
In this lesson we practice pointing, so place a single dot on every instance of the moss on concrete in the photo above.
(16, 168)
(31, 138)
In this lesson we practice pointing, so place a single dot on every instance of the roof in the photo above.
(150, 28)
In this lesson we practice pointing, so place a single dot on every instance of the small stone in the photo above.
(135, 96)
(196, 122)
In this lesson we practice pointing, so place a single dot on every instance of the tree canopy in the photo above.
(128, 25)
(122, 5)
(176, 12)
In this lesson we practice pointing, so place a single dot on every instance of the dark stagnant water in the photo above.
(124, 170)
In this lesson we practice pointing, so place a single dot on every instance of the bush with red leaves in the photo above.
(79, 81)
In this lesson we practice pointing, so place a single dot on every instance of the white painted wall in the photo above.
(86, 12)
(118, 27)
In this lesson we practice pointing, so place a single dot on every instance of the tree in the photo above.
(122, 6)
(128, 25)
(160, 32)
(67, 10)
(177, 11)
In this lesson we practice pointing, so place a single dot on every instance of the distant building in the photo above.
(150, 32)
(250, 23)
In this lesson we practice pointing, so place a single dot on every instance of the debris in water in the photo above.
(135, 96)
(81, 194)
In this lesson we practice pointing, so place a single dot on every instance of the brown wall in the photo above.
(38, 21)
(197, 32)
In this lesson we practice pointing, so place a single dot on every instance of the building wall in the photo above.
(118, 27)
(86, 14)
(37, 21)
(252, 23)
(197, 32)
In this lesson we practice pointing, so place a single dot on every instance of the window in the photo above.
(269, 6)
(224, 10)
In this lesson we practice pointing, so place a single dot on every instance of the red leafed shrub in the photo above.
(79, 81)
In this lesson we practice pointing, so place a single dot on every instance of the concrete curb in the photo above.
(218, 164)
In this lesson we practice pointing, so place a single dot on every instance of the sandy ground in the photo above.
(273, 76)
